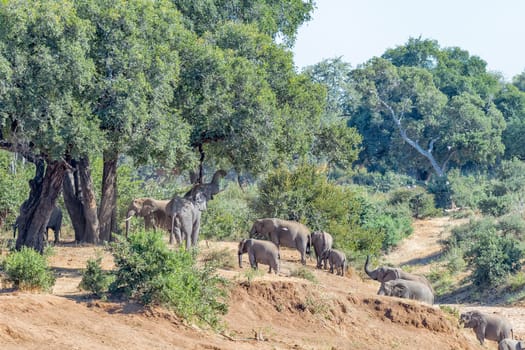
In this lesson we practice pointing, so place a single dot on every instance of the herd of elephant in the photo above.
(267, 235)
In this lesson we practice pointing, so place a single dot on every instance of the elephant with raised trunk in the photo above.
(286, 233)
(321, 241)
(209, 189)
(486, 326)
(337, 260)
(387, 273)
(152, 210)
(408, 290)
(259, 251)
(186, 219)
(511, 344)
(54, 223)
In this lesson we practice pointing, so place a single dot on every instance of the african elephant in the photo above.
(186, 218)
(152, 210)
(386, 273)
(54, 223)
(337, 259)
(486, 326)
(511, 344)
(321, 241)
(408, 290)
(287, 233)
(259, 251)
(209, 189)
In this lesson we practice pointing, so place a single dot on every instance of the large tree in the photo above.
(408, 124)
(44, 70)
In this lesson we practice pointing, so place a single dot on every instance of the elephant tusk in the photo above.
(128, 218)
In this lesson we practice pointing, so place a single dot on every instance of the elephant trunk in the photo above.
(129, 215)
(370, 273)
(240, 259)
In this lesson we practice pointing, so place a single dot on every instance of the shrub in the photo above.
(420, 203)
(306, 195)
(148, 271)
(28, 270)
(228, 216)
(493, 257)
(467, 190)
(303, 272)
(94, 279)
(495, 205)
(512, 224)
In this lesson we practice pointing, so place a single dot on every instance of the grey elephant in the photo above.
(186, 219)
(387, 273)
(54, 223)
(287, 233)
(259, 251)
(336, 259)
(209, 189)
(511, 344)
(321, 241)
(152, 210)
(486, 326)
(408, 290)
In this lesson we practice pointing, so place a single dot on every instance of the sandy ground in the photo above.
(271, 312)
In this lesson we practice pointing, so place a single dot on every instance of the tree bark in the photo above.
(36, 210)
(107, 214)
(81, 204)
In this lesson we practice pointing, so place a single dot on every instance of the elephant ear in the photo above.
(390, 274)
(399, 290)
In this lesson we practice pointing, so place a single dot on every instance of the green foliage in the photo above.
(94, 279)
(377, 181)
(305, 194)
(228, 216)
(14, 187)
(387, 224)
(442, 281)
(512, 225)
(420, 203)
(491, 255)
(303, 272)
(495, 205)
(28, 270)
(148, 271)
(467, 190)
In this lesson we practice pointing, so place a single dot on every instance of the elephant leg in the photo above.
(195, 232)
(253, 262)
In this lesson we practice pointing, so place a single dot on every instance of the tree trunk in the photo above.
(81, 204)
(107, 213)
(36, 210)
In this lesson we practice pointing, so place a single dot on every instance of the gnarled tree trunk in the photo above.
(107, 214)
(81, 205)
(36, 210)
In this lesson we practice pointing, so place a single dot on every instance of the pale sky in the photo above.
(358, 30)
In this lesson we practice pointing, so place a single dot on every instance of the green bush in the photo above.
(495, 205)
(28, 270)
(420, 203)
(493, 258)
(512, 224)
(305, 194)
(389, 223)
(94, 279)
(228, 216)
(148, 271)
(378, 182)
(467, 190)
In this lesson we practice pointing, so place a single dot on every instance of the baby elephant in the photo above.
(487, 326)
(511, 344)
(337, 259)
(407, 289)
(259, 251)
